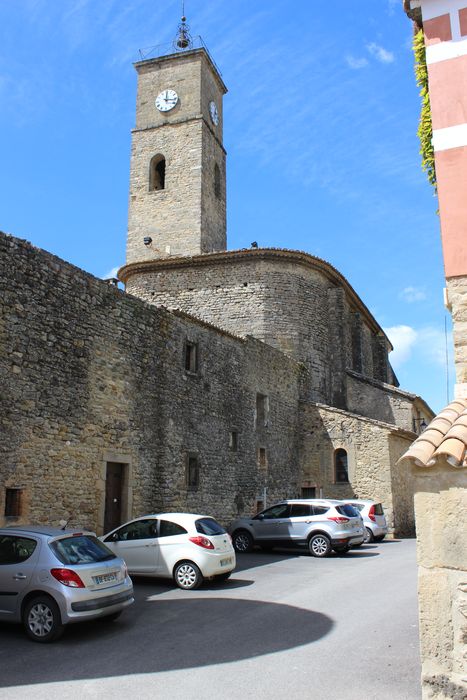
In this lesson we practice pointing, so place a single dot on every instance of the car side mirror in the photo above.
(114, 537)
(260, 516)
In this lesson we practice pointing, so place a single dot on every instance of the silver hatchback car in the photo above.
(321, 524)
(51, 577)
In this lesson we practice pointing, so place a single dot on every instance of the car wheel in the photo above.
(42, 620)
(242, 541)
(369, 537)
(187, 575)
(379, 538)
(222, 577)
(319, 545)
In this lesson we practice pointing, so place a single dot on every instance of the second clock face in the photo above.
(166, 100)
(214, 113)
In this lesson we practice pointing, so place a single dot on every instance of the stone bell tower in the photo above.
(177, 201)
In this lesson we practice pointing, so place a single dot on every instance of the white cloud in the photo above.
(412, 294)
(111, 273)
(355, 63)
(403, 339)
(426, 345)
(381, 54)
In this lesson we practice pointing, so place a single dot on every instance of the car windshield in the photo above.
(348, 510)
(209, 526)
(80, 549)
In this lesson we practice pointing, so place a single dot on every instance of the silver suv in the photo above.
(50, 577)
(374, 520)
(321, 524)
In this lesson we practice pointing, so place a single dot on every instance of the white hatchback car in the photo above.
(184, 546)
(374, 520)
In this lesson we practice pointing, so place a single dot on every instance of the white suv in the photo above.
(374, 520)
(321, 524)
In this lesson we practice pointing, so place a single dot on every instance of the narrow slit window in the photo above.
(13, 503)
(262, 458)
(217, 181)
(191, 357)
(233, 441)
(157, 173)
(192, 472)
(262, 410)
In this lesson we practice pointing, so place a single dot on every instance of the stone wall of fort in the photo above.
(91, 375)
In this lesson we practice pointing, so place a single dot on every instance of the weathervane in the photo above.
(183, 39)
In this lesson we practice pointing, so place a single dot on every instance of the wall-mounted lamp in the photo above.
(147, 240)
(422, 423)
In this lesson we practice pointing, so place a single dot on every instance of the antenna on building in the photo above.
(183, 39)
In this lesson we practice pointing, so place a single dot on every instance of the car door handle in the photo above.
(19, 577)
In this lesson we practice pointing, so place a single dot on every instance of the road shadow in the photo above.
(160, 635)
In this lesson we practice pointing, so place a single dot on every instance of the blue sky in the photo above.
(319, 124)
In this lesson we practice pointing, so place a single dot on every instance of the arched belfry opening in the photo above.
(157, 173)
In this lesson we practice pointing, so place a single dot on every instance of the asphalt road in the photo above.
(286, 625)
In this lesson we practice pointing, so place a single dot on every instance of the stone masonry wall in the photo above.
(373, 449)
(290, 306)
(457, 292)
(91, 375)
(381, 401)
(440, 507)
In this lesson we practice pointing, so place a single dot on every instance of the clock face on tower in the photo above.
(166, 100)
(214, 113)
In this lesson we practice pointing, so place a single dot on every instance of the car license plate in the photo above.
(225, 562)
(105, 578)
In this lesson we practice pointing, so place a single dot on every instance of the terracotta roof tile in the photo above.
(445, 439)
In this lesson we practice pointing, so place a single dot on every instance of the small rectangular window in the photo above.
(191, 357)
(233, 441)
(262, 410)
(262, 458)
(309, 492)
(192, 472)
(13, 503)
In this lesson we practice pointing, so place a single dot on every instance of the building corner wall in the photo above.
(440, 501)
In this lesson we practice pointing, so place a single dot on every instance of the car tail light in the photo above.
(371, 514)
(338, 519)
(202, 542)
(67, 577)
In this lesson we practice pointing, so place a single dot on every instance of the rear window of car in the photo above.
(347, 510)
(379, 509)
(320, 510)
(14, 549)
(81, 549)
(209, 526)
(168, 529)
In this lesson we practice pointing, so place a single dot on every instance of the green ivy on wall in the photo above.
(425, 129)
